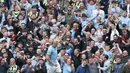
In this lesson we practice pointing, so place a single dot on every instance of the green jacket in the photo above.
(126, 69)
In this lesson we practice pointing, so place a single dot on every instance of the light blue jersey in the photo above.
(52, 52)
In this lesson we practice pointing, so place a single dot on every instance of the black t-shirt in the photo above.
(1, 35)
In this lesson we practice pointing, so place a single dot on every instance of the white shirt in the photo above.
(2, 1)
(128, 9)
(7, 39)
(101, 14)
(106, 67)
(3, 18)
(94, 37)
(113, 33)
(99, 32)
(100, 45)
(9, 27)
(27, 6)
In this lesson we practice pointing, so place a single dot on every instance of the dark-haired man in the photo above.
(83, 68)
(106, 66)
(41, 68)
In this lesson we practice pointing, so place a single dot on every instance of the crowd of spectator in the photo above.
(64, 36)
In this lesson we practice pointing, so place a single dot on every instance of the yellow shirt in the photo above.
(13, 68)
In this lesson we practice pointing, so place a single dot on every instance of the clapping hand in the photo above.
(55, 65)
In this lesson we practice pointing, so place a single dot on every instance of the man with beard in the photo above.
(41, 68)
(106, 66)
(3, 66)
(27, 68)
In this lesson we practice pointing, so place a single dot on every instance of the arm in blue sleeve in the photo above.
(77, 71)
(75, 17)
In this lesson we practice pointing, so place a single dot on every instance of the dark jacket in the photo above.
(4, 68)
(124, 59)
(41, 70)
(85, 42)
(77, 61)
(105, 3)
(126, 69)
(127, 47)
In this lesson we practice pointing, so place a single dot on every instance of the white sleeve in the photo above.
(107, 65)
(49, 51)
